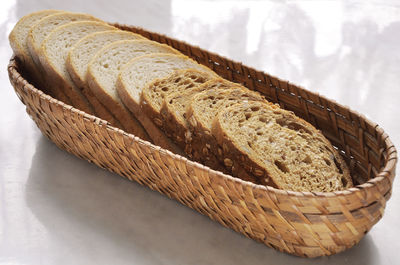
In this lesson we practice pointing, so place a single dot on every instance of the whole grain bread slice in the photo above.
(154, 92)
(78, 60)
(53, 56)
(138, 72)
(18, 41)
(179, 81)
(278, 147)
(103, 71)
(200, 112)
(38, 33)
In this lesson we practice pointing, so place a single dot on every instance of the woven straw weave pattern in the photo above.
(300, 223)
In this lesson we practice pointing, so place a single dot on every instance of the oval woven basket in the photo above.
(301, 223)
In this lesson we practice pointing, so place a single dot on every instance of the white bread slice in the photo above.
(103, 72)
(18, 41)
(138, 72)
(38, 33)
(82, 52)
(78, 60)
(53, 55)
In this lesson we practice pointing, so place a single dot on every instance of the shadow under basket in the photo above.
(307, 224)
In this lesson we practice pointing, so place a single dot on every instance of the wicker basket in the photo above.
(301, 223)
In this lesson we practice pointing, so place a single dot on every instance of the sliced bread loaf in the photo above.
(279, 148)
(138, 72)
(53, 55)
(38, 33)
(103, 71)
(78, 60)
(18, 41)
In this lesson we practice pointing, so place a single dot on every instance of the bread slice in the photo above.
(140, 71)
(173, 113)
(179, 81)
(279, 148)
(215, 94)
(53, 55)
(103, 71)
(18, 41)
(38, 33)
(82, 52)
(78, 60)
(154, 92)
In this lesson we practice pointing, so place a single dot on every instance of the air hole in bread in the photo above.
(190, 86)
(249, 144)
(307, 159)
(282, 167)
(280, 121)
(298, 127)
(255, 108)
(178, 80)
(164, 88)
(247, 115)
(262, 119)
(105, 65)
(344, 181)
(327, 161)
(292, 147)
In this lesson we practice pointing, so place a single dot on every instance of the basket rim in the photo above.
(383, 174)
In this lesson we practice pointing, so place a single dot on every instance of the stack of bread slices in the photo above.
(160, 95)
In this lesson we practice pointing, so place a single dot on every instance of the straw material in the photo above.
(300, 223)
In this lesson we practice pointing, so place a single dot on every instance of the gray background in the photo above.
(58, 209)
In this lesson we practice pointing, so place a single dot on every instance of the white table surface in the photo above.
(58, 209)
